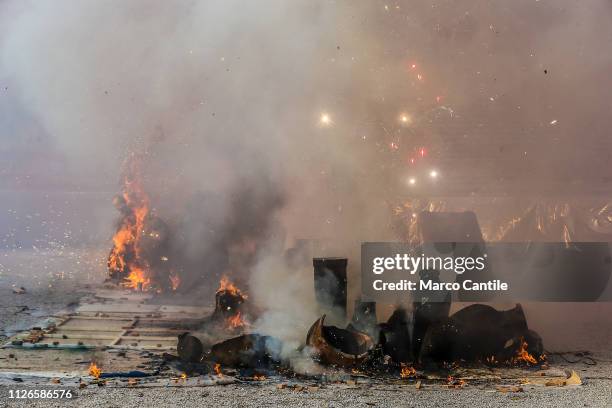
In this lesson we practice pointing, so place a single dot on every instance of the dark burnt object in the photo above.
(336, 346)
(479, 333)
(395, 337)
(228, 302)
(190, 349)
(330, 285)
(247, 350)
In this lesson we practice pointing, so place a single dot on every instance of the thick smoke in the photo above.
(224, 101)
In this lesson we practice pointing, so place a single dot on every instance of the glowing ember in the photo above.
(183, 376)
(217, 369)
(259, 377)
(94, 370)
(407, 371)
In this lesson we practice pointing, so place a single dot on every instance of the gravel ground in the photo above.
(597, 393)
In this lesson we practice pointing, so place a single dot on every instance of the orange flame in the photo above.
(125, 256)
(226, 285)
(407, 371)
(235, 321)
(523, 356)
(217, 369)
(94, 370)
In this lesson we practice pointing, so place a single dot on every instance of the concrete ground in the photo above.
(51, 285)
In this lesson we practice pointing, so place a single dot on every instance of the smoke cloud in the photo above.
(269, 121)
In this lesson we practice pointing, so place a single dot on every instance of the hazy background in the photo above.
(223, 102)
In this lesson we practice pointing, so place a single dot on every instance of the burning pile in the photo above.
(137, 259)
(228, 304)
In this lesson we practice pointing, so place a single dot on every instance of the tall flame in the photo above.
(125, 257)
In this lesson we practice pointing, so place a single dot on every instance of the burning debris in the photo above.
(228, 304)
(479, 333)
(94, 370)
(137, 259)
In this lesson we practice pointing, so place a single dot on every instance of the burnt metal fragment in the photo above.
(248, 350)
(190, 348)
(341, 347)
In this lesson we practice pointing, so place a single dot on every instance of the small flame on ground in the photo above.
(94, 370)
(523, 356)
(454, 382)
(407, 371)
(217, 369)
(259, 377)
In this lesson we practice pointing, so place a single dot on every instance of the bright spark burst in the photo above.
(433, 174)
(412, 181)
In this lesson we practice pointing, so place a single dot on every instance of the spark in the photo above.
(393, 146)
(422, 152)
(413, 66)
(405, 119)
(433, 174)
(553, 122)
(412, 181)
(325, 119)
(419, 77)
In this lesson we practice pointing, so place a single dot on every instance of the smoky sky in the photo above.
(225, 98)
